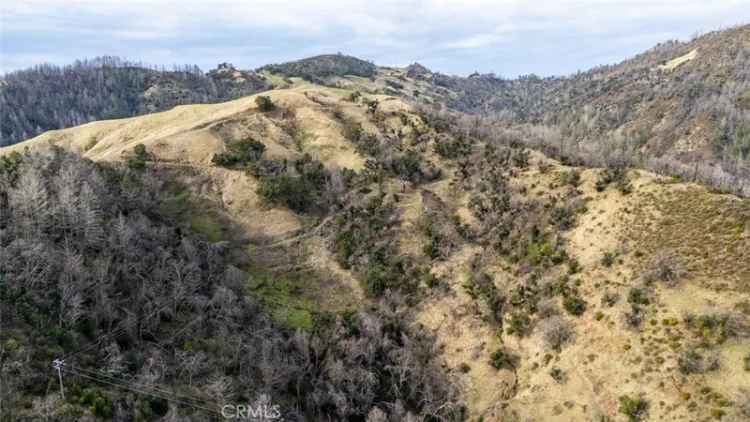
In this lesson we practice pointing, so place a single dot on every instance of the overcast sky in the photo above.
(508, 37)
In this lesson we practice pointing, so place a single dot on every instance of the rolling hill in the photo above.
(49, 97)
(404, 262)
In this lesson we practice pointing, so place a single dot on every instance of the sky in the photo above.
(505, 37)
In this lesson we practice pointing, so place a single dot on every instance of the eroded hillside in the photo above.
(545, 291)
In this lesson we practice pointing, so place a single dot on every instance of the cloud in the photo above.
(507, 36)
(474, 41)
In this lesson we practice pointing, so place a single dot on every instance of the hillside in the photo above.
(409, 263)
(682, 100)
(49, 97)
(679, 108)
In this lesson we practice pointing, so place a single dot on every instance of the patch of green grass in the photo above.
(175, 205)
(298, 319)
(192, 211)
(208, 225)
(285, 297)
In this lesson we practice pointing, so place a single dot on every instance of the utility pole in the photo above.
(58, 364)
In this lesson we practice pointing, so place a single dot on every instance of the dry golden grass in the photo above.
(709, 232)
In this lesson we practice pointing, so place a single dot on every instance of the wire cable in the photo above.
(126, 381)
(126, 386)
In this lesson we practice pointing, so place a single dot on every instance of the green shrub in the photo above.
(408, 166)
(99, 404)
(712, 329)
(241, 152)
(574, 267)
(452, 148)
(608, 259)
(557, 374)
(481, 285)
(635, 409)
(500, 359)
(538, 251)
(572, 178)
(264, 103)
(574, 305)
(519, 324)
(137, 159)
(9, 165)
(344, 243)
(616, 174)
(563, 217)
(284, 189)
(381, 276)
(638, 296)
(300, 189)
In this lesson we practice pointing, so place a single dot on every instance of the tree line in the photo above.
(47, 97)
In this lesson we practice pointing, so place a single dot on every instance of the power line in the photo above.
(157, 389)
(125, 385)
(60, 365)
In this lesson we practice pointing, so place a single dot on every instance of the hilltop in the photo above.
(49, 97)
(406, 261)
(681, 106)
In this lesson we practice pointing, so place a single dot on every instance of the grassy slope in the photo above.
(710, 232)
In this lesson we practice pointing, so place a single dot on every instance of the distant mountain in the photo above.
(689, 100)
(320, 67)
(51, 97)
(683, 101)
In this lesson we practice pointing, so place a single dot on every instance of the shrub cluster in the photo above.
(301, 187)
(364, 240)
(264, 103)
(241, 153)
(502, 359)
(136, 160)
(617, 175)
(635, 409)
